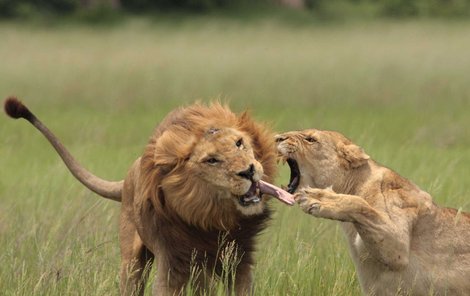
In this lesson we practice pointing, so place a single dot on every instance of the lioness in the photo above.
(400, 241)
(196, 190)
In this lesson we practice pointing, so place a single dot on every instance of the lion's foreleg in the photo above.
(244, 281)
(386, 240)
(166, 283)
(136, 261)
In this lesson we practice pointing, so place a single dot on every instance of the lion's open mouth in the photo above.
(294, 180)
(253, 196)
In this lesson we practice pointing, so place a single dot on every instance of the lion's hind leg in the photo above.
(136, 263)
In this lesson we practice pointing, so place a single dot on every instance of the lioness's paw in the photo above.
(310, 206)
(310, 192)
(308, 200)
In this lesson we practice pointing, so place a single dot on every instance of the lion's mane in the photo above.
(189, 220)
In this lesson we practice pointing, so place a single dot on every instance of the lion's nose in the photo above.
(248, 173)
(279, 138)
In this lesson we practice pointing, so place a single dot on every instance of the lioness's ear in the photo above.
(353, 154)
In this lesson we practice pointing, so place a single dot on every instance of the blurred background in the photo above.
(323, 8)
(392, 75)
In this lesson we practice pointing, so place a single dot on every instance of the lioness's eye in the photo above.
(311, 139)
(239, 143)
(212, 160)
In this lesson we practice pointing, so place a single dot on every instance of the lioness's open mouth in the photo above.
(253, 196)
(294, 180)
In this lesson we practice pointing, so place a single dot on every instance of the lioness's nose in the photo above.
(279, 138)
(248, 173)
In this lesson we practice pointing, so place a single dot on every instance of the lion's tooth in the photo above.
(253, 198)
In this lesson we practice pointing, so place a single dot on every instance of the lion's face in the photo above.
(225, 161)
(318, 158)
(204, 164)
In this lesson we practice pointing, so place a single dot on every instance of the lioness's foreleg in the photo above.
(386, 240)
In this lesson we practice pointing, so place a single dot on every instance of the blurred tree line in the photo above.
(396, 8)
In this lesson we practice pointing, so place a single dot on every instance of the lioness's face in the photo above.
(224, 159)
(312, 156)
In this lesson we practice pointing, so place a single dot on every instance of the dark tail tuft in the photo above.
(15, 109)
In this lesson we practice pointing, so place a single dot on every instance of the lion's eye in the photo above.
(239, 143)
(311, 139)
(212, 160)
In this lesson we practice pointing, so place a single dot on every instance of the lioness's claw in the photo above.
(313, 208)
(299, 197)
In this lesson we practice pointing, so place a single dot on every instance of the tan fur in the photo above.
(400, 241)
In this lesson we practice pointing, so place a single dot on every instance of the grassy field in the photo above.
(401, 90)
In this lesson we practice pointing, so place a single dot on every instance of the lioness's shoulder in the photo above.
(403, 192)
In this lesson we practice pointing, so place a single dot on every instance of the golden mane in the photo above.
(162, 164)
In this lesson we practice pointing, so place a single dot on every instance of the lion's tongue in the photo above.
(277, 192)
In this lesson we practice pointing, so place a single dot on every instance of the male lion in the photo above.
(400, 241)
(196, 189)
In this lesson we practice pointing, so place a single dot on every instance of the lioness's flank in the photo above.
(400, 241)
(196, 190)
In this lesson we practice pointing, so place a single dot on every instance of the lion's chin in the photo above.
(252, 209)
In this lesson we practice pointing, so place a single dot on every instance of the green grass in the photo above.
(398, 89)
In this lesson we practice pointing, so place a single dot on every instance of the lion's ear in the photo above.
(172, 148)
(354, 155)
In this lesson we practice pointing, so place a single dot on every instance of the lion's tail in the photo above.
(112, 190)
